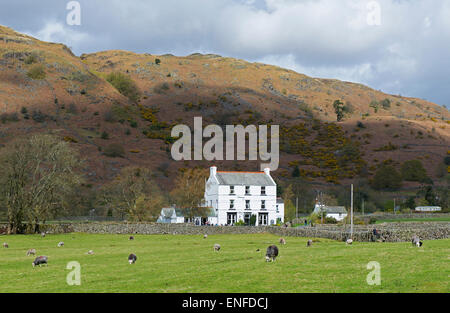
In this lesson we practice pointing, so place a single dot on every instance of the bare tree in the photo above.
(189, 192)
(38, 173)
(133, 193)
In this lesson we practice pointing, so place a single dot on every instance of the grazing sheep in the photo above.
(205, 236)
(282, 241)
(90, 252)
(216, 247)
(42, 234)
(415, 240)
(272, 253)
(309, 243)
(5, 245)
(31, 252)
(60, 244)
(131, 237)
(132, 258)
(349, 241)
(40, 260)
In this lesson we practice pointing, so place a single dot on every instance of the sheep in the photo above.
(419, 244)
(40, 260)
(131, 238)
(415, 240)
(349, 241)
(60, 244)
(216, 247)
(5, 245)
(90, 252)
(282, 241)
(31, 252)
(132, 258)
(272, 253)
(309, 243)
(42, 234)
(205, 236)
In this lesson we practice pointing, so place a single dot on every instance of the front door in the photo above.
(263, 219)
(231, 218)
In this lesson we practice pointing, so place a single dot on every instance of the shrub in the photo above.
(157, 61)
(38, 116)
(125, 85)
(9, 117)
(114, 150)
(37, 72)
(105, 135)
(386, 103)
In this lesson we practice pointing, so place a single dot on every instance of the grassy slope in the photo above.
(189, 264)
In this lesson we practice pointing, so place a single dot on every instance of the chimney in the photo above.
(212, 171)
(267, 171)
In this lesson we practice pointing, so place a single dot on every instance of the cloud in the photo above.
(407, 53)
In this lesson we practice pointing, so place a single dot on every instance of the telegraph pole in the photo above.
(351, 213)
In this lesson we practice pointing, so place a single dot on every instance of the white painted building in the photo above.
(337, 212)
(236, 196)
(428, 209)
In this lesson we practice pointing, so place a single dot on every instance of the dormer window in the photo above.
(247, 190)
(231, 190)
(263, 190)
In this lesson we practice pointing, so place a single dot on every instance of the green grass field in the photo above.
(169, 263)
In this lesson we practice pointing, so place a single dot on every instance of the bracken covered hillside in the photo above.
(44, 87)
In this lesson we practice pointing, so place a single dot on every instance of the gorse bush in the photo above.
(125, 85)
(37, 72)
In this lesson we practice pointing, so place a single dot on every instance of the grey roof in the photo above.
(334, 209)
(168, 212)
(280, 201)
(244, 179)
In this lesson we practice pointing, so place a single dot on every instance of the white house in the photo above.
(428, 209)
(174, 215)
(236, 196)
(336, 212)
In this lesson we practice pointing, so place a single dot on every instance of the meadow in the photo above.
(181, 263)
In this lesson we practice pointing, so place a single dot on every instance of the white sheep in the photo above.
(216, 247)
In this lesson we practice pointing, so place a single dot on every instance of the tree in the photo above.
(296, 172)
(133, 194)
(339, 109)
(414, 171)
(189, 192)
(387, 178)
(38, 176)
(289, 207)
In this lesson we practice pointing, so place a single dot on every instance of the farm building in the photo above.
(175, 216)
(336, 212)
(236, 196)
(428, 209)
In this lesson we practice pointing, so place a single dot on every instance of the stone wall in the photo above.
(392, 232)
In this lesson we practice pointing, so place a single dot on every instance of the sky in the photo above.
(401, 47)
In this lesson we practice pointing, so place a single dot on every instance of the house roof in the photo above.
(244, 179)
(334, 209)
(168, 212)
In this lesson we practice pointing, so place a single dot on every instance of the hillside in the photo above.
(71, 96)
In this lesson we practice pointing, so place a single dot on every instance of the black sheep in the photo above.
(272, 253)
(132, 258)
(40, 260)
